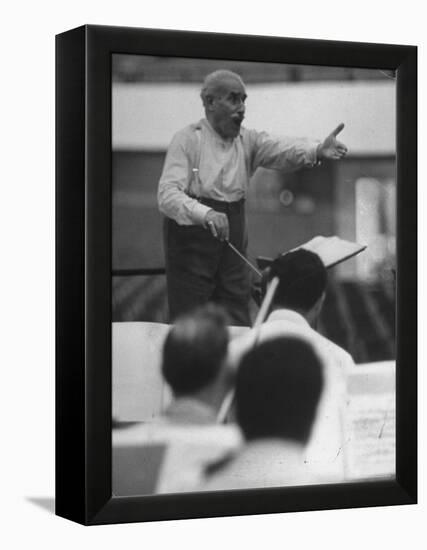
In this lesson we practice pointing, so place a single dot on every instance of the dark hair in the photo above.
(195, 349)
(278, 387)
(302, 277)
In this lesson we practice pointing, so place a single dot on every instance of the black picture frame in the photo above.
(84, 260)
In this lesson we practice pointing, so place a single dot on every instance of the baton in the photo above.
(262, 314)
(234, 249)
(247, 262)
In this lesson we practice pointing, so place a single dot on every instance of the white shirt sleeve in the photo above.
(175, 180)
(284, 154)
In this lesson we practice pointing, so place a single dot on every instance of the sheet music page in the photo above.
(370, 423)
(332, 250)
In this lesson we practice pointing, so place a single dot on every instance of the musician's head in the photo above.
(223, 95)
(302, 282)
(278, 387)
(194, 354)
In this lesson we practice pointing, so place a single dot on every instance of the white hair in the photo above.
(214, 80)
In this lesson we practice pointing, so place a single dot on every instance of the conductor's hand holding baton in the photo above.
(217, 223)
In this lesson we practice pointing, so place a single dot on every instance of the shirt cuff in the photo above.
(199, 212)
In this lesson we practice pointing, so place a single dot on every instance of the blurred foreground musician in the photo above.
(298, 301)
(194, 366)
(169, 454)
(278, 387)
(295, 310)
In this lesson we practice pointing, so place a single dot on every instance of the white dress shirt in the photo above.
(262, 463)
(224, 167)
(324, 453)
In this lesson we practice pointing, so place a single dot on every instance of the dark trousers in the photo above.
(200, 268)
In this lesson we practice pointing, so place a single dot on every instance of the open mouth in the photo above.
(237, 120)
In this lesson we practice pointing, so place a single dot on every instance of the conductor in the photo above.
(202, 193)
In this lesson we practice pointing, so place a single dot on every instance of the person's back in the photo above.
(175, 448)
(323, 452)
(195, 369)
(297, 304)
(278, 387)
(167, 457)
(295, 309)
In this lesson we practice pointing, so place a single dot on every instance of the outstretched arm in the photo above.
(331, 148)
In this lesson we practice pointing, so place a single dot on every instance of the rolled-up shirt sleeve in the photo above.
(173, 199)
(284, 154)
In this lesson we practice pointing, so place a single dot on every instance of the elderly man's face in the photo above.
(227, 108)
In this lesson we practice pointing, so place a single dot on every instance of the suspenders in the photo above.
(197, 187)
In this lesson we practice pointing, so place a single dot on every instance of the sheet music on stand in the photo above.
(332, 250)
(370, 422)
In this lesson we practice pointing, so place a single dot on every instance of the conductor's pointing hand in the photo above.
(331, 148)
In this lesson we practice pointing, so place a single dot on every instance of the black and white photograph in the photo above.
(143, 405)
(253, 274)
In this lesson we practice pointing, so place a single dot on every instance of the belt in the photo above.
(222, 206)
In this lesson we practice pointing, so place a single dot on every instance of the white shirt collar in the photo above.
(288, 315)
(187, 410)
